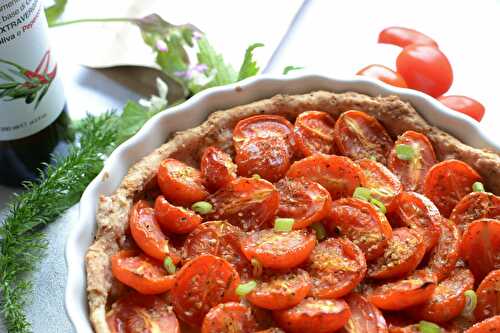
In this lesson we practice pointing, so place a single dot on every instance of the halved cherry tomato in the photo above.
(272, 330)
(141, 273)
(278, 291)
(175, 219)
(490, 325)
(475, 206)
(278, 250)
(229, 318)
(148, 235)
(180, 183)
(217, 168)
(314, 133)
(359, 135)
(465, 105)
(425, 68)
(414, 210)
(136, 313)
(488, 296)
(384, 184)
(201, 284)
(400, 36)
(338, 174)
(412, 172)
(264, 145)
(448, 182)
(402, 294)
(314, 315)
(336, 266)
(481, 245)
(404, 252)
(303, 200)
(246, 202)
(362, 223)
(447, 300)
(365, 317)
(444, 256)
(384, 74)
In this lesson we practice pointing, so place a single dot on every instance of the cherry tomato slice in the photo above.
(362, 223)
(314, 315)
(279, 291)
(279, 250)
(400, 36)
(475, 206)
(136, 313)
(404, 252)
(384, 184)
(384, 74)
(245, 202)
(314, 133)
(336, 266)
(481, 245)
(303, 200)
(229, 318)
(201, 284)
(402, 294)
(465, 105)
(411, 172)
(180, 183)
(448, 182)
(148, 235)
(425, 68)
(272, 330)
(365, 317)
(490, 325)
(444, 256)
(217, 168)
(338, 174)
(359, 135)
(141, 273)
(175, 219)
(415, 211)
(488, 296)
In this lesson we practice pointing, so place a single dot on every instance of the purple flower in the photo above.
(197, 69)
(197, 35)
(161, 45)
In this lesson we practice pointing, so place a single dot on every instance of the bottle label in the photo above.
(31, 92)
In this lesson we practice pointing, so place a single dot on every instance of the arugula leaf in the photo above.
(288, 69)
(249, 66)
(55, 11)
(224, 73)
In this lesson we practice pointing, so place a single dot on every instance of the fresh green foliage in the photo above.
(288, 69)
(55, 11)
(249, 66)
(224, 73)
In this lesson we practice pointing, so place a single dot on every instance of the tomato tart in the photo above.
(320, 212)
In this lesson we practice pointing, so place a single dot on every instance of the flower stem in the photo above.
(91, 20)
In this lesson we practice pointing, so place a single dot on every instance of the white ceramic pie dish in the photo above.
(192, 113)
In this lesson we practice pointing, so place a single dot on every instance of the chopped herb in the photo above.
(319, 228)
(283, 224)
(244, 289)
(169, 265)
(202, 207)
(405, 152)
(478, 187)
(428, 327)
(379, 205)
(257, 267)
(256, 176)
(362, 193)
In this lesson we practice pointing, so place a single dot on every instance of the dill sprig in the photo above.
(22, 242)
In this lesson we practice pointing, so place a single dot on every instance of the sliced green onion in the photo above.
(404, 152)
(320, 230)
(428, 327)
(362, 193)
(256, 176)
(379, 205)
(169, 265)
(202, 207)
(283, 224)
(478, 187)
(257, 267)
(470, 302)
(382, 191)
(245, 288)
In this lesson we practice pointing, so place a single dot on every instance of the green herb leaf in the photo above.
(249, 66)
(55, 11)
(288, 69)
(131, 120)
(224, 73)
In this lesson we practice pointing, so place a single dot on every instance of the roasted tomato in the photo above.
(402, 37)
(338, 174)
(444, 256)
(384, 74)
(272, 330)
(229, 318)
(411, 170)
(180, 183)
(278, 291)
(136, 313)
(490, 325)
(278, 250)
(365, 317)
(448, 182)
(201, 284)
(336, 266)
(303, 200)
(175, 219)
(465, 105)
(141, 273)
(383, 183)
(404, 252)
(359, 135)
(265, 145)
(217, 168)
(488, 296)
(314, 133)
(314, 315)
(245, 202)
(475, 206)
(362, 223)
